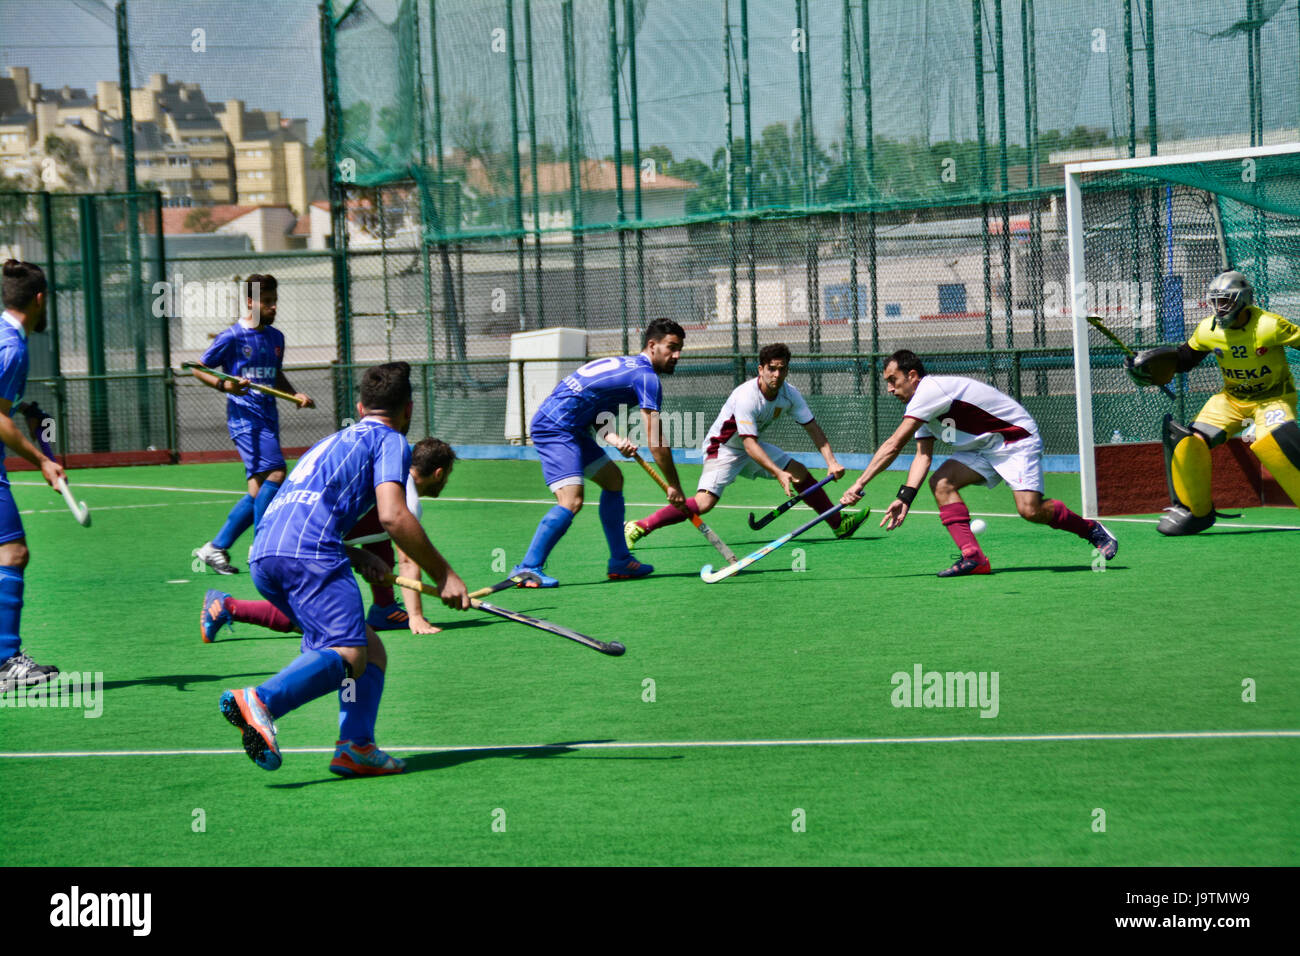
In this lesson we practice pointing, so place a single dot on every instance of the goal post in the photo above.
(1145, 236)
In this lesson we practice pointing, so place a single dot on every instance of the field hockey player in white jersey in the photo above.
(994, 440)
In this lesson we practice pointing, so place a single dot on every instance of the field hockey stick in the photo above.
(705, 530)
(785, 506)
(525, 580)
(1096, 323)
(612, 648)
(266, 389)
(712, 577)
(79, 511)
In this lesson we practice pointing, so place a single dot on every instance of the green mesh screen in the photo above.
(510, 112)
(1153, 240)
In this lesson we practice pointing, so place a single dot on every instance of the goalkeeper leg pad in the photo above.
(1279, 451)
(1187, 468)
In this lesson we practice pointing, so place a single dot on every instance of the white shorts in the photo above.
(730, 464)
(1019, 464)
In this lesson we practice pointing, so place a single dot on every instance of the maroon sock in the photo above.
(382, 593)
(667, 515)
(818, 501)
(261, 613)
(1066, 520)
(956, 518)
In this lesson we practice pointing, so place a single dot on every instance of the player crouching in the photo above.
(733, 449)
(1250, 346)
(994, 439)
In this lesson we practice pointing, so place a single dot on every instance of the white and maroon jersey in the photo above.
(967, 414)
(747, 413)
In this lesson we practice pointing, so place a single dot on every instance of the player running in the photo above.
(300, 564)
(733, 449)
(994, 439)
(431, 464)
(1250, 347)
(562, 432)
(23, 290)
(254, 351)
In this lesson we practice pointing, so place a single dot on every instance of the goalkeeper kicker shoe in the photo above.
(850, 521)
(245, 710)
(21, 671)
(392, 617)
(1104, 541)
(218, 559)
(632, 533)
(214, 615)
(629, 569)
(363, 760)
(975, 564)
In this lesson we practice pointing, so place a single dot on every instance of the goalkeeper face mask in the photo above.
(1229, 293)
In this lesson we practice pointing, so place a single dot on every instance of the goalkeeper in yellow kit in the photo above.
(1250, 347)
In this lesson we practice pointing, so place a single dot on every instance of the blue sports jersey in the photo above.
(332, 486)
(254, 354)
(600, 386)
(13, 368)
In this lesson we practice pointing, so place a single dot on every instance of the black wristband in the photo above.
(906, 495)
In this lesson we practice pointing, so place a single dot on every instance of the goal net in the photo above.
(1146, 237)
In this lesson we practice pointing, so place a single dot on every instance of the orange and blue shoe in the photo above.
(629, 569)
(391, 617)
(973, 564)
(214, 615)
(245, 710)
(363, 760)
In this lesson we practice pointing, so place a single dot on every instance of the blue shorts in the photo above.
(259, 447)
(567, 457)
(11, 526)
(321, 597)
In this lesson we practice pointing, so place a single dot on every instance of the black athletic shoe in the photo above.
(966, 566)
(21, 671)
(1104, 541)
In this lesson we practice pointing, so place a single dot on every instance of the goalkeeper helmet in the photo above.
(1230, 292)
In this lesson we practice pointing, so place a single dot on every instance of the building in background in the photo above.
(195, 152)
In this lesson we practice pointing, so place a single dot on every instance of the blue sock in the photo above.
(263, 500)
(611, 519)
(238, 521)
(357, 717)
(11, 611)
(310, 675)
(549, 531)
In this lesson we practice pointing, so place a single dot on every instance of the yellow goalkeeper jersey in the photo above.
(1253, 357)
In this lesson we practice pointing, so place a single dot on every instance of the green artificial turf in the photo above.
(801, 647)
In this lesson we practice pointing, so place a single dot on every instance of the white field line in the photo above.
(695, 744)
(630, 504)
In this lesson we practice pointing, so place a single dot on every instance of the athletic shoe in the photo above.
(363, 760)
(1103, 541)
(1179, 520)
(245, 710)
(21, 671)
(214, 615)
(543, 580)
(218, 559)
(965, 565)
(850, 521)
(392, 617)
(629, 569)
(632, 533)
